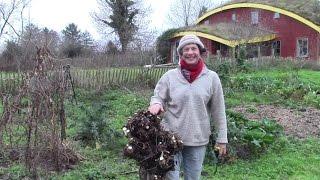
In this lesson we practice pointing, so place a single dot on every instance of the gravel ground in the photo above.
(299, 123)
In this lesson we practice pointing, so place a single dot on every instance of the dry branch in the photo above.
(38, 109)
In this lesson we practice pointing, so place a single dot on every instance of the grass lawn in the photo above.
(307, 76)
(298, 160)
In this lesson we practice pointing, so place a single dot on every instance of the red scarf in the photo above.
(191, 71)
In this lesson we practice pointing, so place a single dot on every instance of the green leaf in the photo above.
(256, 142)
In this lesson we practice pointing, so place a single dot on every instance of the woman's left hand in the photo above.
(222, 147)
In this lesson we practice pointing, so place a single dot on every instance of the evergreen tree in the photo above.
(72, 44)
(122, 15)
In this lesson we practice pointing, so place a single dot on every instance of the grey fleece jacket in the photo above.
(189, 106)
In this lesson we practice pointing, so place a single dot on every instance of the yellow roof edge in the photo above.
(255, 39)
(208, 36)
(231, 43)
(261, 6)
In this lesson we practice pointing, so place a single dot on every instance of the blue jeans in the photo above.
(191, 158)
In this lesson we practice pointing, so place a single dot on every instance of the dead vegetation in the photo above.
(33, 123)
(232, 31)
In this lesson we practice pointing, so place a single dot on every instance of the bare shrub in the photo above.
(33, 122)
(128, 59)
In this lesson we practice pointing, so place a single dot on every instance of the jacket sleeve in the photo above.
(218, 112)
(160, 92)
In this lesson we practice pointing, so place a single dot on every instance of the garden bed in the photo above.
(301, 123)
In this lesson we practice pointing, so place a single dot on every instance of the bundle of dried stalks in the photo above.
(33, 122)
(150, 145)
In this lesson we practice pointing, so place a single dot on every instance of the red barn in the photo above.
(287, 28)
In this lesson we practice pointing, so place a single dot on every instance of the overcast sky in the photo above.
(57, 14)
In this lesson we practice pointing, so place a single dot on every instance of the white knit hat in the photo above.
(189, 39)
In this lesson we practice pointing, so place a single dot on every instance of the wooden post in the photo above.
(233, 51)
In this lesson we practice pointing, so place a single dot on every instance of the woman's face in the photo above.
(191, 53)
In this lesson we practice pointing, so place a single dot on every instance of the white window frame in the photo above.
(234, 17)
(276, 15)
(298, 46)
(254, 17)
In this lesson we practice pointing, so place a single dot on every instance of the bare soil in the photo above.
(301, 123)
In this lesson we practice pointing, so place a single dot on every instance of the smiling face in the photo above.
(191, 53)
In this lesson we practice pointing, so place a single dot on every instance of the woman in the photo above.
(190, 96)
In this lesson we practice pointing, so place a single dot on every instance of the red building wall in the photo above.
(288, 29)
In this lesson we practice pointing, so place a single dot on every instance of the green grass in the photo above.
(299, 160)
(307, 76)
(123, 105)
(249, 97)
(100, 164)
(274, 87)
(310, 76)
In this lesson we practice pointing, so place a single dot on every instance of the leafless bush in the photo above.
(34, 121)
(128, 59)
(97, 61)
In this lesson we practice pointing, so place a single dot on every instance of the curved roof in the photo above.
(306, 12)
(230, 34)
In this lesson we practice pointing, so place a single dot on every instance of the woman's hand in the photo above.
(222, 147)
(156, 109)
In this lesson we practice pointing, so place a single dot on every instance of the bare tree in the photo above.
(185, 12)
(9, 12)
(18, 52)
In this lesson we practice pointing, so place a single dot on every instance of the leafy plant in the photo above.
(224, 70)
(249, 138)
(242, 65)
(287, 88)
(95, 128)
(313, 98)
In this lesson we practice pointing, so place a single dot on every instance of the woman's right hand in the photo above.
(155, 109)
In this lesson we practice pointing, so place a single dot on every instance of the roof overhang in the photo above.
(261, 6)
(231, 43)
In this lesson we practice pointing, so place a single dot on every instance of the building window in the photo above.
(254, 17)
(276, 15)
(302, 47)
(175, 54)
(276, 48)
(234, 17)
